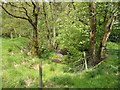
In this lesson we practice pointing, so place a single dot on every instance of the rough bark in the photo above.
(34, 23)
(106, 34)
(92, 48)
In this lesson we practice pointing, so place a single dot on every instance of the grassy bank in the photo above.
(21, 70)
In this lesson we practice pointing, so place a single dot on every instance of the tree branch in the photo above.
(83, 21)
(10, 3)
(12, 14)
(27, 3)
(28, 19)
(34, 6)
(26, 12)
(79, 17)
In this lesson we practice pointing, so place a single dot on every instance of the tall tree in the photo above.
(47, 24)
(108, 24)
(92, 49)
(29, 12)
(24, 13)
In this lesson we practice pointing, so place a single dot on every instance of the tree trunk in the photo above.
(40, 74)
(54, 25)
(86, 67)
(38, 53)
(35, 38)
(92, 48)
(35, 46)
(47, 26)
(107, 31)
(11, 35)
(15, 33)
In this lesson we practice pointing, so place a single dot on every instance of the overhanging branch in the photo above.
(34, 6)
(15, 16)
(12, 14)
(25, 10)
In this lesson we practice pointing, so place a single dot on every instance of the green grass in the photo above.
(111, 45)
(17, 67)
(21, 70)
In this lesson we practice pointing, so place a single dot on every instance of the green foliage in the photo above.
(115, 34)
(73, 37)
(11, 25)
(71, 24)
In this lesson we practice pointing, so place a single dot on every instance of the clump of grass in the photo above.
(64, 80)
(52, 68)
(111, 45)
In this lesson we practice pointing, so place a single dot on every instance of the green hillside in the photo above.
(21, 70)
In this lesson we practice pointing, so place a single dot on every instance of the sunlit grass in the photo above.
(21, 70)
(112, 45)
